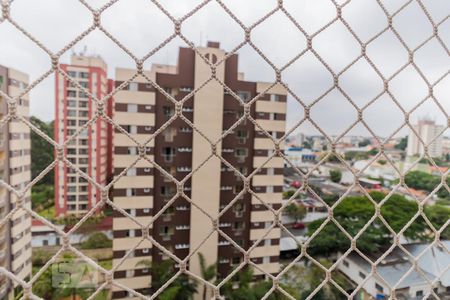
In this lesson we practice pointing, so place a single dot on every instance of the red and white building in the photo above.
(91, 150)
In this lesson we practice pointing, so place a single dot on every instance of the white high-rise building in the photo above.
(430, 133)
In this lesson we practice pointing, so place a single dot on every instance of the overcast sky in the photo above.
(141, 26)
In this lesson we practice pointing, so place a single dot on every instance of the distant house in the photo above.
(394, 273)
(299, 156)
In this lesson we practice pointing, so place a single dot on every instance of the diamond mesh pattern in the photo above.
(340, 7)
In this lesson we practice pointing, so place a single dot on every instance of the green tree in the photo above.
(181, 288)
(97, 240)
(295, 211)
(208, 272)
(402, 144)
(42, 152)
(353, 213)
(288, 194)
(428, 182)
(364, 143)
(336, 175)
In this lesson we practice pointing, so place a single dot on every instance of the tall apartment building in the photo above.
(140, 110)
(91, 150)
(428, 131)
(15, 163)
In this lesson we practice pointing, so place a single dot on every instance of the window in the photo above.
(132, 129)
(133, 86)
(145, 250)
(146, 210)
(131, 233)
(72, 73)
(84, 75)
(166, 231)
(71, 103)
(269, 189)
(130, 273)
(71, 94)
(83, 94)
(169, 134)
(274, 98)
(239, 209)
(168, 153)
(236, 260)
(241, 154)
(345, 263)
(270, 171)
(379, 287)
(238, 225)
(132, 150)
(245, 96)
(242, 136)
(168, 111)
(132, 108)
(131, 172)
(419, 293)
(362, 275)
(130, 192)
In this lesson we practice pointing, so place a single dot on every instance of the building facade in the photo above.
(15, 163)
(90, 150)
(143, 191)
(430, 133)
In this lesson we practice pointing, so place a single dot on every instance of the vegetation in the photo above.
(180, 289)
(288, 194)
(208, 272)
(45, 288)
(428, 182)
(356, 155)
(336, 175)
(354, 212)
(42, 193)
(42, 152)
(97, 240)
(312, 276)
(402, 144)
(248, 291)
(295, 211)
(364, 143)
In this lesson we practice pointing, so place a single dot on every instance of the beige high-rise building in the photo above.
(143, 191)
(15, 163)
(430, 133)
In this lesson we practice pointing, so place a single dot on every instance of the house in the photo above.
(394, 272)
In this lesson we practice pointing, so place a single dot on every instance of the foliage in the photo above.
(438, 215)
(42, 152)
(208, 272)
(288, 194)
(428, 182)
(97, 240)
(356, 155)
(402, 144)
(364, 143)
(354, 212)
(312, 276)
(295, 211)
(248, 291)
(336, 175)
(43, 196)
(180, 289)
